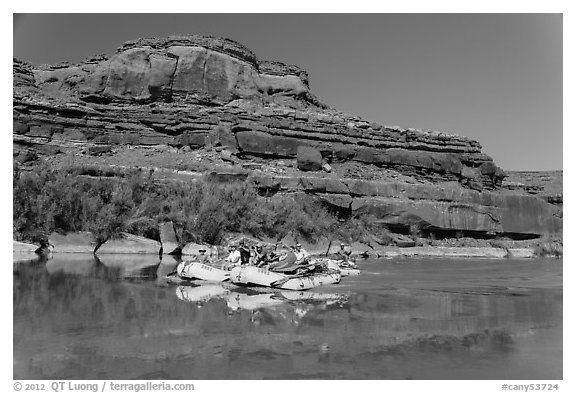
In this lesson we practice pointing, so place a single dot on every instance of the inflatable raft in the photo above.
(338, 266)
(252, 275)
(200, 271)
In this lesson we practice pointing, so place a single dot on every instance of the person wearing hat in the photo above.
(302, 256)
(202, 257)
(343, 254)
(262, 256)
(233, 259)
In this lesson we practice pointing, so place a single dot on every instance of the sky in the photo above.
(495, 78)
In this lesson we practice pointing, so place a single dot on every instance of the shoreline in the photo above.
(388, 252)
(447, 252)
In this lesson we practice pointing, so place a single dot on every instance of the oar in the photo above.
(328, 250)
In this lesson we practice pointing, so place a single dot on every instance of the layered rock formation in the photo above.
(195, 92)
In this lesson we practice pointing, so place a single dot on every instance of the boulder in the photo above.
(130, 244)
(191, 138)
(339, 202)
(99, 150)
(521, 253)
(308, 159)
(191, 249)
(260, 143)
(20, 128)
(24, 248)
(44, 130)
(403, 240)
(336, 186)
(470, 173)
(81, 242)
(286, 84)
(168, 239)
(25, 156)
(226, 156)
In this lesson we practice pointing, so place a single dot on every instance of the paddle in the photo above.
(281, 281)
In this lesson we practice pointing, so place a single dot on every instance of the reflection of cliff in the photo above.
(91, 326)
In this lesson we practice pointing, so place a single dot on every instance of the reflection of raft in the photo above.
(252, 302)
(251, 275)
(201, 293)
(312, 296)
(200, 271)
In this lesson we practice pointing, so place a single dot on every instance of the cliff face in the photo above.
(204, 95)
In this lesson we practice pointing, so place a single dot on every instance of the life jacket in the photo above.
(244, 256)
(290, 258)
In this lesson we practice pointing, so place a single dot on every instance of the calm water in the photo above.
(76, 317)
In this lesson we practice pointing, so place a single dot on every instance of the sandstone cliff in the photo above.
(209, 106)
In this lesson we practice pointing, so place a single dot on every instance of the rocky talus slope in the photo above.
(211, 107)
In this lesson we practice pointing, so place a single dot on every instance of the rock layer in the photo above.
(442, 207)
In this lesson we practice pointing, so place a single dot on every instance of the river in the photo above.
(77, 317)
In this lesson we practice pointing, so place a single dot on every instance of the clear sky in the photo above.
(495, 78)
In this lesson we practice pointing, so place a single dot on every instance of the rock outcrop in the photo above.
(169, 239)
(74, 242)
(24, 248)
(195, 92)
(130, 244)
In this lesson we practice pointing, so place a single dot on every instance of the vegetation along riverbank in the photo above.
(205, 211)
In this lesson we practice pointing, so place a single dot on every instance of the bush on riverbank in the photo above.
(47, 201)
(548, 247)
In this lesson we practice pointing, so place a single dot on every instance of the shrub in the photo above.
(47, 201)
(548, 247)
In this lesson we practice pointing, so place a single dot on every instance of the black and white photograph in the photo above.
(286, 197)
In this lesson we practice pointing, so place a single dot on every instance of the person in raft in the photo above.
(244, 253)
(259, 256)
(202, 257)
(345, 256)
(233, 259)
(302, 256)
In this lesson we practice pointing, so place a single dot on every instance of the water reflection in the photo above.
(200, 294)
(77, 316)
(131, 265)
